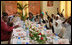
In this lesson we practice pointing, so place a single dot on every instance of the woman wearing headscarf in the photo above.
(37, 19)
(5, 28)
(43, 20)
(48, 24)
(67, 34)
(57, 28)
(31, 17)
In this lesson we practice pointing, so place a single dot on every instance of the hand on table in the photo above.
(16, 26)
(10, 24)
(60, 35)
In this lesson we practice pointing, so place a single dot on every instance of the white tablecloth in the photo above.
(18, 31)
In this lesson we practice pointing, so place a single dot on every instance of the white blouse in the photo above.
(67, 33)
(57, 28)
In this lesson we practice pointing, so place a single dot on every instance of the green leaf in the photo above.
(24, 6)
(19, 6)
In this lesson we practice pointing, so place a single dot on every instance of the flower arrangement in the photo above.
(37, 36)
(35, 33)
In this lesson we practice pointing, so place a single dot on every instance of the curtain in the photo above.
(66, 5)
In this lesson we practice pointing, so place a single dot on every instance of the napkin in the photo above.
(61, 41)
(25, 41)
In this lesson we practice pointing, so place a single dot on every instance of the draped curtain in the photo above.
(66, 5)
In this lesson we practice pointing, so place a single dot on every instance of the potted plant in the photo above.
(21, 7)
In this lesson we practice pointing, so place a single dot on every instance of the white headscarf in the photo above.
(57, 28)
(58, 16)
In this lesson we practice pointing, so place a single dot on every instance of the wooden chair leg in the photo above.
(9, 42)
(10, 38)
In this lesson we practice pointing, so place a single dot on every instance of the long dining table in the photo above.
(20, 35)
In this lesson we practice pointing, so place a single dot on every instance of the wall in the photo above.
(62, 6)
(1, 8)
(51, 10)
(68, 8)
(10, 7)
(34, 7)
(44, 7)
(66, 5)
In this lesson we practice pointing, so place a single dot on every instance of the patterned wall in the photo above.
(34, 7)
(11, 7)
(50, 10)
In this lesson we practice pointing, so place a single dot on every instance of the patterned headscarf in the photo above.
(42, 13)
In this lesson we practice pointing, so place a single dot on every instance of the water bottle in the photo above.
(27, 43)
(27, 32)
(44, 26)
(45, 31)
(55, 38)
(27, 35)
(33, 20)
(24, 26)
(18, 41)
(37, 25)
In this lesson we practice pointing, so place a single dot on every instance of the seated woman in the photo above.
(53, 19)
(31, 18)
(48, 24)
(5, 28)
(53, 22)
(37, 19)
(67, 34)
(16, 16)
(10, 23)
(42, 19)
(47, 15)
(58, 28)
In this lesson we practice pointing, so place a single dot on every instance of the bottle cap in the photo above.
(18, 37)
(45, 29)
(56, 34)
(27, 43)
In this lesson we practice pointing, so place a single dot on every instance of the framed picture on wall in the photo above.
(49, 3)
